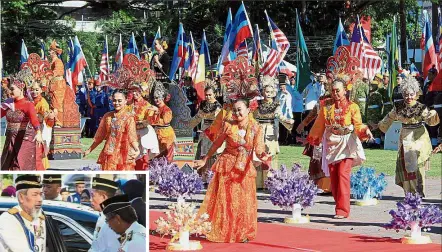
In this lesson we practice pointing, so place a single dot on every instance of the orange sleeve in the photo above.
(132, 131)
(46, 111)
(212, 131)
(259, 142)
(317, 131)
(101, 133)
(58, 68)
(356, 120)
(220, 139)
(163, 118)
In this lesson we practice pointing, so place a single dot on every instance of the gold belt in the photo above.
(340, 130)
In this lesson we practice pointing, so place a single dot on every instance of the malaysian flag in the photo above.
(270, 65)
(280, 46)
(242, 50)
(104, 67)
(119, 55)
(284, 69)
(370, 62)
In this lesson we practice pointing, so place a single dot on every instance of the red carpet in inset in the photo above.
(276, 237)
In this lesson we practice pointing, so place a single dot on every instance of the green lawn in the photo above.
(382, 160)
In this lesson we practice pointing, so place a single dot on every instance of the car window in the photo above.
(74, 242)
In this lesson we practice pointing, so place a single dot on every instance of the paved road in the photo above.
(363, 220)
(70, 164)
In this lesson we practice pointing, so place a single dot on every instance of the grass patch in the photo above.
(382, 160)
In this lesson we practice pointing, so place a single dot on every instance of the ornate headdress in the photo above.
(211, 83)
(343, 66)
(239, 78)
(55, 47)
(160, 91)
(39, 69)
(133, 70)
(269, 82)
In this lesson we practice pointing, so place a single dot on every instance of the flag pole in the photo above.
(85, 60)
(107, 55)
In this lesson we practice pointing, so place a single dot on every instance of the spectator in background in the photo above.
(285, 102)
(85, 197)
(297, 108)
(9, 192)
(64, 194)
(135, 190)
(311, 95)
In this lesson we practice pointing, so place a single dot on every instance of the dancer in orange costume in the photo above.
(230, 200)
(341, 123)
(161, 122)
(118, 129)
(57, 87)
(143, 112)
(45, 117)
(23, 132)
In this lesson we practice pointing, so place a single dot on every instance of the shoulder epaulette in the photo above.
(13, 210)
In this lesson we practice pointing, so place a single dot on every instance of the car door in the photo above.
(54, 240)
(76, 237)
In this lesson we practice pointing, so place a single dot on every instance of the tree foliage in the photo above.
(33, 20)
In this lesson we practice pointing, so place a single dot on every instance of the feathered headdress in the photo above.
(39, 69)
(343, 66)
(23, 79)
(133, 70)
(239, 78)
(160, 91)
(211, 83)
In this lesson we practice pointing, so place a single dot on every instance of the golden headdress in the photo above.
(344, 66)
(38, 69)
(239, 78)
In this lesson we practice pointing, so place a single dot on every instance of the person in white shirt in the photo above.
(311, 94)
(23, 227)
(122, 218)
(285, 102)
(105, 239)
(52, 187)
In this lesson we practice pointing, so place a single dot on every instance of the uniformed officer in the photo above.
(191, 95)
(374, 111)
(81, 99)
(79, 187)
(121, 218)
(22, 227)
(52, 187)
(104, 238)
(383, 90)
(360, 94)
(135, 189)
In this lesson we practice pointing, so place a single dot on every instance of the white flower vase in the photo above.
(184, 238)
(297, 218)
(184, 243)
(367, 200)
(416, 236)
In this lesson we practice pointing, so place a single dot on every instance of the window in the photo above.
(74, 242)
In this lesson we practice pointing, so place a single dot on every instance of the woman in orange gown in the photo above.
(230, 200)
(118, 129)
(161, 122)
(57, 86)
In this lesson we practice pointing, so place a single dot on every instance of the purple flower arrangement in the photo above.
(172, 181)
(91, 167)
(158, 168)
(412, 211)
(290, 187)
(365, 183)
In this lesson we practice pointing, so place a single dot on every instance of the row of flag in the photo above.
(193, 63)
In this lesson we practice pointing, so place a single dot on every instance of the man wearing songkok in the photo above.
(121, 217)
(79, 187)
(22, 227)
(104, 238)
(52, 187)
(135, 189)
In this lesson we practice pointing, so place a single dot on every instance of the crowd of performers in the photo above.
(242, 121)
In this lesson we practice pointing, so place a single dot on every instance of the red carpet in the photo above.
(275, 237)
